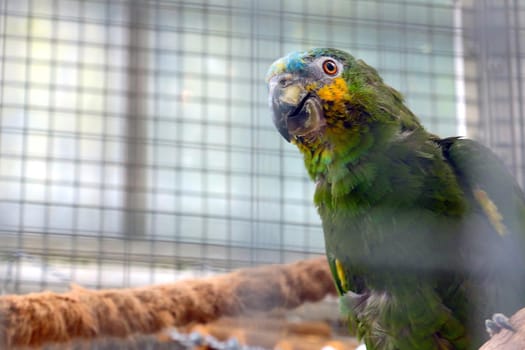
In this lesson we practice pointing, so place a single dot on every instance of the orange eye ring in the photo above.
(330, 67)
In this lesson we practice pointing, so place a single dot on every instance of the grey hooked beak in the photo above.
(292, 107)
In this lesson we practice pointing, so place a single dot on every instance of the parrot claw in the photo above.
(497, 323)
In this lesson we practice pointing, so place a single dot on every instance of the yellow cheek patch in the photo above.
(491, 210)
(334, 92)
(335, 96)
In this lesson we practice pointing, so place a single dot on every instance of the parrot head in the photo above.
(324, 98)
(303, 87)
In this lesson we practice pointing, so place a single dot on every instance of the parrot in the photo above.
(424, 236)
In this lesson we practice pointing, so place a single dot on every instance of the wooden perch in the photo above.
(509, 340)
(38, 318)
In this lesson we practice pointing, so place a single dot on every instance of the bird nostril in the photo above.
(285, 79)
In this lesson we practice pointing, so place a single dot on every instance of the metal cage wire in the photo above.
(135, 139)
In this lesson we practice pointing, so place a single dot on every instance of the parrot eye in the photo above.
(329, 67)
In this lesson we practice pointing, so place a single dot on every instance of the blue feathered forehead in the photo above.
(293, 62)
(298, 61)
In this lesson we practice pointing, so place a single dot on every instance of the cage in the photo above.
(136, 144)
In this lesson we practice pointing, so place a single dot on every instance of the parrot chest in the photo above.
(393, 235)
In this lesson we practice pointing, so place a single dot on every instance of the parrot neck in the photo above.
(342, 156)
(350, 157)
(344, 146)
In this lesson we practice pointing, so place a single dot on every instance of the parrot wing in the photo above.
(485, 178)
(493, 240)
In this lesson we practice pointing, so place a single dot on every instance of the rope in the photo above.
(39, 318)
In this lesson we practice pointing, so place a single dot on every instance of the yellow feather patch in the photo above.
(336, 91)
(280, 67)
(341, 275)
(491, 210)
(335, 94)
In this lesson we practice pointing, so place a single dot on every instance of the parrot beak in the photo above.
(295, 110)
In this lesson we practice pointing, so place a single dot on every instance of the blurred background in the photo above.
(136, 144)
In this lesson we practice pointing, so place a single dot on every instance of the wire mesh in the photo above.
(136, 144)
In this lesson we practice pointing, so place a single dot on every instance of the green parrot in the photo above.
(425, 236)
